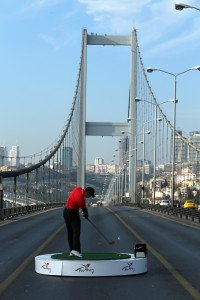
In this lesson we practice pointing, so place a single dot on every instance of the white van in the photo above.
(164, 203)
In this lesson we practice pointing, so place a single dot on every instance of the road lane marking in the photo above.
(5, 284)
(186, 285)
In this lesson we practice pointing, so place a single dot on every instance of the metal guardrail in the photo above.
(183, 213)
(8, 213)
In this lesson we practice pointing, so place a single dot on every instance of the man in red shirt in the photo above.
(71, 215)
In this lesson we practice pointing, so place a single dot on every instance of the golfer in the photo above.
(75, 201)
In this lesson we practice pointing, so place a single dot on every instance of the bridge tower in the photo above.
(108, 128)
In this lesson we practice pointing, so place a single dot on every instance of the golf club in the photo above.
(97, 229)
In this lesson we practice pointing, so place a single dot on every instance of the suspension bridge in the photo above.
(155, 161)
(153, 155)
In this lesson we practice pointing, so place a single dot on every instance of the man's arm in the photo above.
(85, 212)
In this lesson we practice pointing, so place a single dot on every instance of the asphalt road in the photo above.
(173, 256)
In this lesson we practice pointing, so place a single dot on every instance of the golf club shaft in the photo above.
(97, 229)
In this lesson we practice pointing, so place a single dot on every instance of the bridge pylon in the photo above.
(109, 128)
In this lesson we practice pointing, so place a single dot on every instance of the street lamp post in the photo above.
(143, 157)
(175, 75)
(1, 196)
(154, 167)
(155, 138)
(135, 171)
(181, 6)
(115, 187)
(143, 142)
(124, 180)
(135, 165)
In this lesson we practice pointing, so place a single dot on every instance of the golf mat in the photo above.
(91, 256)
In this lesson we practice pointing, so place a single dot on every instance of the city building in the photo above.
(98, 165)
(90, 168)
(111, 169)
(14, 158)
(3, 156)
(98, 161)
(181, 149)
(101, 168)
(193, 155)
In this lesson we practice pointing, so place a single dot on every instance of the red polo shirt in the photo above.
(76, 199)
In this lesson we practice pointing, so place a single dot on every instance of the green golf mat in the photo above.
(91, 256)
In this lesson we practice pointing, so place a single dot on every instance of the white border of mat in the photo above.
(45, 265)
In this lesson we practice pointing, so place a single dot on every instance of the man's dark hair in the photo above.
(90, 191)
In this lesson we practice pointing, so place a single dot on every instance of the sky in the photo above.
(39, 60)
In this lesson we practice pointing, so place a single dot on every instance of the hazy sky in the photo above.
(39, 60)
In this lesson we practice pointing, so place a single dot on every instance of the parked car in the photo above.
(164, 202)
(189, 204)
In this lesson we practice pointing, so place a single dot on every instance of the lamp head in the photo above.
(196, 68)
(159, 119)
(137, 99)
(181, 6)
(150, 69)
(122, 131)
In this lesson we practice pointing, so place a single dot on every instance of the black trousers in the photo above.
(73, 224)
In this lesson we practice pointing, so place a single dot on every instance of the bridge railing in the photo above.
(183, 213)
(8, 213)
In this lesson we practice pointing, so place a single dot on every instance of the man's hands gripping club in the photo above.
(85, 213)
